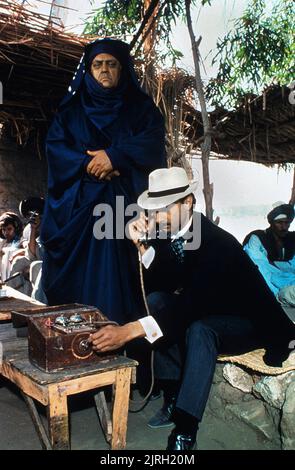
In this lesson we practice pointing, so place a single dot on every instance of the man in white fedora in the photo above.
(205, 298)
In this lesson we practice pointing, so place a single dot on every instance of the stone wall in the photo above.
(265, 403)
(22, 174)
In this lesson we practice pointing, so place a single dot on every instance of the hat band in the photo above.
(167, 192)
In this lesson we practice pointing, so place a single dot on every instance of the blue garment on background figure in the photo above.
(278, 274)
(125, 123)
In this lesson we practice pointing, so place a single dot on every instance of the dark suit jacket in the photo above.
(219, 279)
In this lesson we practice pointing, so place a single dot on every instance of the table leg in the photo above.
(37, 422)
(120, 408)
(58, 420)
(104, 415)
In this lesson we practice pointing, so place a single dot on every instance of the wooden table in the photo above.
(15, 300)
(53, 389)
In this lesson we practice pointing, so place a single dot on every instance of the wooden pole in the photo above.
(206, 144)
(292, 200)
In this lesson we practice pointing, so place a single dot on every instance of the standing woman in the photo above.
(106, 138)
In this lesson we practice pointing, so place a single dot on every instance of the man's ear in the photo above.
(189, 200)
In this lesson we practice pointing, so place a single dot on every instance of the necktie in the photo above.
(177, 249)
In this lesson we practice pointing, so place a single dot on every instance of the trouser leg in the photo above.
(286, 296)
(167, 369)
(205, 340)
(199, 367)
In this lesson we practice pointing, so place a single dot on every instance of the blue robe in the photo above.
(78, 267)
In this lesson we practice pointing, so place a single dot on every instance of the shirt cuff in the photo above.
(148, 257)
(151, 328)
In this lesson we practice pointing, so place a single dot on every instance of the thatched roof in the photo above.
(261, 130)
(38, 59)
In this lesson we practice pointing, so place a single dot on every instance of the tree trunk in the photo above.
(206, 144)
(148, 38)
(150, 29)
(292, 200)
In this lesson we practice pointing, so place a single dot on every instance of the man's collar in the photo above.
(183, 230)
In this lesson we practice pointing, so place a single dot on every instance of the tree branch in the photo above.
(147, 15)
(151, 25)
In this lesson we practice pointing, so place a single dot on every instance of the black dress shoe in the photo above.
(162, 419)
(178, 441)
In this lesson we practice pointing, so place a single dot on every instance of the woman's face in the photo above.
(106, 70)
(8, 232)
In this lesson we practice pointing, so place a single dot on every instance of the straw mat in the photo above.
(254, 360)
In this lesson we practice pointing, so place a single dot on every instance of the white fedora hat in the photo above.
(166, 185)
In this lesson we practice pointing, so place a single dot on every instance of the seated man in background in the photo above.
(273, 251)
(10, 240)
(28, 262)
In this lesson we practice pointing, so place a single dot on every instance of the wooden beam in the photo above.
(90, 382)
(120, 408)
(58, 419)
(24, 383)
(5, 316)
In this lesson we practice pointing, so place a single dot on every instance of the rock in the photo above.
(274, 414)
(254, 414)
(288, 419)
(229, 394)
(273, 388)
(215, 404)
(218, 377)
(248, 397)
(238, 378)
(223, 394)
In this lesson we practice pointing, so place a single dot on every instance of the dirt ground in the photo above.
(17, 431)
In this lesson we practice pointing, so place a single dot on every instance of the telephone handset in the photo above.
(147, 236)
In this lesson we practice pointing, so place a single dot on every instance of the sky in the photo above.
(235, 183)
(210, 22)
